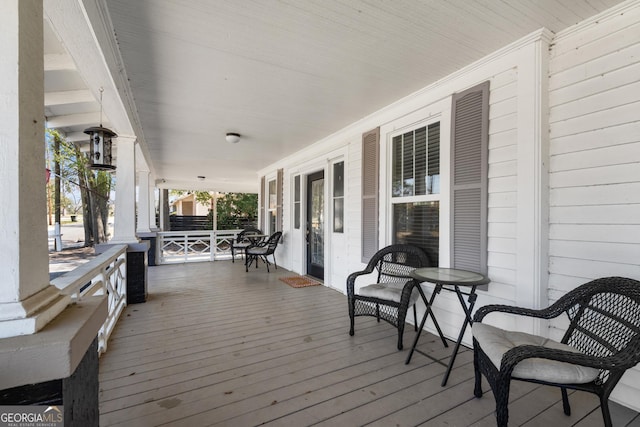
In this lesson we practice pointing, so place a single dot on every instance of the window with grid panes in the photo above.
(338, 197)
(415, 188)
(296, 202)
(272, 206)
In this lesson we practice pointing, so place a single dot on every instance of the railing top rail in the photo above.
(72, 281)
(197, 232)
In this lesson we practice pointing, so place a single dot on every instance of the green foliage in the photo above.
(202, 197)
(236, 210)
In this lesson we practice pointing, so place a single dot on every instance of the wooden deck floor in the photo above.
(214, 345)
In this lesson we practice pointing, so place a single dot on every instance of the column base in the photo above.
(78, 393)
(32, 314)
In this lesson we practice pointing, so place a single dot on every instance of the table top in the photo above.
(449, 276)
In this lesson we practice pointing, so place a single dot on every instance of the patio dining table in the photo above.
(453, 280)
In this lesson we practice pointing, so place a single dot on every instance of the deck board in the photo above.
(214, 345)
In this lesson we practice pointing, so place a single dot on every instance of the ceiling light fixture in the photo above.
(100, 144)
(233, 138)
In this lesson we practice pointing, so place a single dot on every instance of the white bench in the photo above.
(55, 237)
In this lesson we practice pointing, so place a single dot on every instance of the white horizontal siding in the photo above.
(594, 167)
(502, 173)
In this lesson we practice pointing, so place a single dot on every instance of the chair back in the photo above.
(605, 319)
(272, 242)
(395, 263)
(241, 236)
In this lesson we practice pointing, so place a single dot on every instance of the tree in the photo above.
(94, 186)
(236, 210)
(202, 197)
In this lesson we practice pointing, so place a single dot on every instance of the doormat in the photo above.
(300, 281)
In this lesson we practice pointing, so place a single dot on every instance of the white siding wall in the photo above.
(594, 120)
(503, 172)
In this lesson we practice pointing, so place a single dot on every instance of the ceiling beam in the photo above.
(89, 37)
(68, 97)
(58, 62)
(74, 120)
(76, 137)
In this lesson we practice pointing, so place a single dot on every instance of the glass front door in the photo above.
(315, 225)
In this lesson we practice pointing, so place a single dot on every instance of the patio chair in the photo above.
(241, 242)
(602, 341)
(262, 251)
(392, 293)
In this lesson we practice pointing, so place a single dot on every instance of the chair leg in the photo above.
(248, 259)
(477, 389)
(606, 415)
(352, 309)
(415, 319)
(400, 334)
(502, 403)
(266, 261)
(565, 401)
(378, 312)
(233, 255)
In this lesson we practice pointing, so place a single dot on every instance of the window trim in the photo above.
(389, 181)
(333, 197)
(439, 197)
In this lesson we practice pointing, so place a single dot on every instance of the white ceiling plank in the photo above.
(76, 137)
(284, 74)
(88, 119)
(58, 62)
(68, 97)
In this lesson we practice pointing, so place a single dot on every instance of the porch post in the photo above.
(152, 206)
(46, 350)
(125, 204)
(533, 181)
(145, 205)
(144, 201)
(164, 209)
(27, 300)
(125, 222)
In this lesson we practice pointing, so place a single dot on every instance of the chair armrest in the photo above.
(351, 281)
(499, 308)
(554, 310)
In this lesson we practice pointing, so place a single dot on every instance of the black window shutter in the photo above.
(263, 202)
(469, 164)
(370, 170)
(279, 219)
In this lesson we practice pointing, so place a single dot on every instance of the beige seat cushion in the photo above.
(387, 291)
(495, 342)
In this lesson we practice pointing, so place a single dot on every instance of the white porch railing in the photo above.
(106, 274)
(194, 246)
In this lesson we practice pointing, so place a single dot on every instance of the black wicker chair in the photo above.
(600, 344)
(392, 293)
(241, 242)
(262, 250)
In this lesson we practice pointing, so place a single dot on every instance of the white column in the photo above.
(152, 205)
(124, 227)
(144, 200)
(27, 300)
(533, 181)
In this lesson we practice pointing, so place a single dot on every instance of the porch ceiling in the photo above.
(284, 74)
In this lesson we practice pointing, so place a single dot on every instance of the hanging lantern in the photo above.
(100, 141)
(100, 144)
